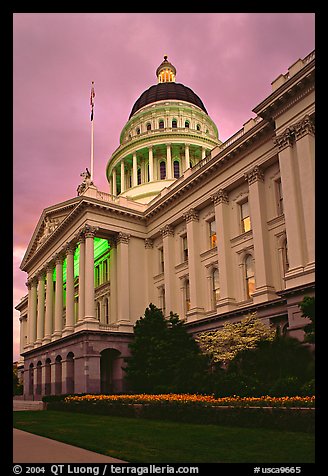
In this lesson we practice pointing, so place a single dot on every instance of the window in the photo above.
(174, 124)
(161, 124)
(215, 287)
(162, 170)
(139, 176)
(105, 271)
(279, 198)
(106, 311)
(161, 260)
(97, 276)
(198, 127)
(245, 218)
(212, 233)
(98, 311)
(176, 169)
(138, 130)
(185, 248)
(187, 295)
(285, 257)
(249, 276)
(148, 126)
(162, 300)
(187, 124)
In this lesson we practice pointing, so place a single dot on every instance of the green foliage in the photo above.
(307, 307)
(283, 366)
(164, 357)
(17, 386)
(225, 343)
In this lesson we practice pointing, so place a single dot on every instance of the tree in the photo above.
(280, 366)
(224, 344)
(307, 307)
(164, 357)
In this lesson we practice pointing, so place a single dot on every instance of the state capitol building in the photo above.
(207, 229)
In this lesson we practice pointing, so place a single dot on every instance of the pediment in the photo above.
(50, 219)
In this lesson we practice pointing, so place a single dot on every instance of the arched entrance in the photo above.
(31, 380)
(39, 378)
(70, 373)
(110, 371)
(58, 375)
(47, 384)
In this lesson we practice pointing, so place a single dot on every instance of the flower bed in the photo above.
(187, 399)
(283, 413)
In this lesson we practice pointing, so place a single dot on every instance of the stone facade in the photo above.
(231, 233)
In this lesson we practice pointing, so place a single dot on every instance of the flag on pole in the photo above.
(92, 97)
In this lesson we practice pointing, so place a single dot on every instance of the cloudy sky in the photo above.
(228, 59)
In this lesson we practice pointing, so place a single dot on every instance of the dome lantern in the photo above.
(166, 72)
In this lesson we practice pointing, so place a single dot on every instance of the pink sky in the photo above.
(228, 59)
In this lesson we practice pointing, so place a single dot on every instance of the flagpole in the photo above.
(91, 165)
(92, 96)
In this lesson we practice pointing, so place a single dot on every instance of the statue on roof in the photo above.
(86, 181)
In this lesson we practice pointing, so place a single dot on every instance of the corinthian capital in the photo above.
(191, 215)
(167, 230)
(123, 237)
(286, 139)
(254, 175)
(304, 126)
(220, 196)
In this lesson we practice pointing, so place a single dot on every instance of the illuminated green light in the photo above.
(101, 246)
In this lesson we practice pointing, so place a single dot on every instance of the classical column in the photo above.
(292, 199)
(41, 301)
(81, 297)
(123, 278)
(114, 182)
(122, 176)
(168, 250)
(89, 274)
(134, 170)
(221, 208)
(151, 164)
(58, 297)
(69, 327)
(149, 269)
(33, 311)
(203, 153)
(168, 161)
(113, 279)
(187, 157)
(49, 303)
(29, 300)
(196, 302)
(305, 144)
(262, 254)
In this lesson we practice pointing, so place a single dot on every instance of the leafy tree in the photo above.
(224, 344)
(164, 357)
(278, 367)
(307, 307)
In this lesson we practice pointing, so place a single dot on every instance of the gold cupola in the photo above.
(166, 72)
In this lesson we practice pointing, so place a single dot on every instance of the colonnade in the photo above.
(45, 321)
(152, 163)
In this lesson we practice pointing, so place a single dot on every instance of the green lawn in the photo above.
(150, 441)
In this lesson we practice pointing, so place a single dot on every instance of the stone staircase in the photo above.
(19, 405)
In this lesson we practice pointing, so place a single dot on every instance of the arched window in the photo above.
(31, 379)
(187, 124)
(98, 311)
(148, 126)
(139, 176)
(198, 127)
(187, 295)
(162, 170)
(161, 124)
(58, 375)
(176, 169)
(106, 311)
(285, 256)
(174, 124)
(215, 286)
(249, 276)
(138, 130)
